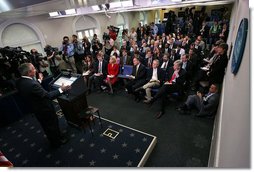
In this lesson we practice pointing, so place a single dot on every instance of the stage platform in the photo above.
(113, 145)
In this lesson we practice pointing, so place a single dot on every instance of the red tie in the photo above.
(172, 78)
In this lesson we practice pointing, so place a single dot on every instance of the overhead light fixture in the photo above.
(176, 0)
(95, 8)
(53, 14)
(115, 4)
(70, 11)
(127, 3)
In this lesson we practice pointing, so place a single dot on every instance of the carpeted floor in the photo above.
(182, 140)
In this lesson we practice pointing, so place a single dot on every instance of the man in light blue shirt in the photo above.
(68, 53)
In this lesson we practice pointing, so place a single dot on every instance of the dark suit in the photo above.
(140, 78)
(217, 69)
(128, 61)
(174, 87)
(41, 103)
(98, 80)
(189, 70)
(206, 107)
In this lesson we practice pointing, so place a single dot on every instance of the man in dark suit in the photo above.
(41, 102)
(174, 82)
(125, 59)
(166, 63)
(206, 104)
(100, 73)
(217, 69)
(187, 66)
(137, 78)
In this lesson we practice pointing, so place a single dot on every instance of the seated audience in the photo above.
(137, 78)
(155, 77)
(174, 83)
(205, 104)
(88, 68)
(113, 70)
(100, 73)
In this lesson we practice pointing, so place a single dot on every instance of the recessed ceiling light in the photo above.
(70, 11)
(53, 14)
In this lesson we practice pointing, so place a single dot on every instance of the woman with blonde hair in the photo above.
(113, 70)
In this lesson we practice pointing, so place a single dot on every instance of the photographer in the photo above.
(68, 53)
(39, 62)
(78, 53)
(53, 59)
(113, 32)
(96, 45)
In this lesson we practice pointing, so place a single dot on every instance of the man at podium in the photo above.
(41, 102)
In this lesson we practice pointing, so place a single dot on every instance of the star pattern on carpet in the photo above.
(144, 139)
(40, 150)
(70, 150)
(18, 155)
(103, 150)
(137, 150)
(37, 152)
(92, 163)
(115, 156)
(81, 156)
(11, 150)
(57, 162)
(124, 145)
(129, 163)
(132, 135)
(82, 140)
(48, 156)
(25, 161)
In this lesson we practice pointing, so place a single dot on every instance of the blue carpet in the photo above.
(25, 145)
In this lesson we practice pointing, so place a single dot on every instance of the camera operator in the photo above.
(78, 53)
(113, 32)
(96, 45)
(87, 46)
(39, 62)
(68, 53)
(53, 59)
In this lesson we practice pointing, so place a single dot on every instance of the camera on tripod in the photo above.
(49, 50)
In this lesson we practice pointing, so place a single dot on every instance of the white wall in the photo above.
(231, 142)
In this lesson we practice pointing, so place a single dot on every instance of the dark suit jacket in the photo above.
(141, 74)
(180, 80)
(189, 70)
(104, 68)
(217, 69)
(128, 61)
(160, 74)
(39, 99)
(209, 107)
(170, 64)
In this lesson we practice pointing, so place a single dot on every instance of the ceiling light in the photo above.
(127, 3)
(95, 8)
(115, 4)
(53, 14)
(176, 0)
(70, 11)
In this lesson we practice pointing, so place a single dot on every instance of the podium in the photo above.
(74, 100)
